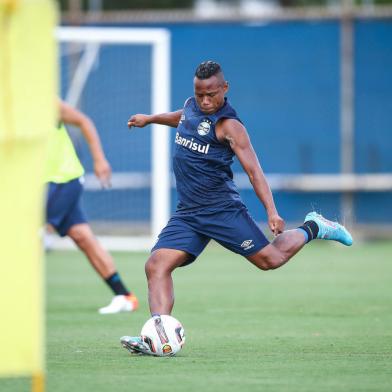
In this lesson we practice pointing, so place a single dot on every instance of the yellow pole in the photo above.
(38, 382)
(28, 92)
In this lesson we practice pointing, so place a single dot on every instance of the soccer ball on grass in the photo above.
(164, 335)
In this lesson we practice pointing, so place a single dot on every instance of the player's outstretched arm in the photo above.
(70, 115)
(233, 132)
(170, 119)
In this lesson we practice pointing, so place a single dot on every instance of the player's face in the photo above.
(210, 93)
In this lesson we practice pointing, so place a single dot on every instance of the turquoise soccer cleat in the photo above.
(135, 345)
(329, 230)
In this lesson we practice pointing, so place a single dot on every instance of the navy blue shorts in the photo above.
(231, 227)
(63, 209)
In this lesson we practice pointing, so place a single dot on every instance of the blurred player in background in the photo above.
(209, 135)
(64, 175)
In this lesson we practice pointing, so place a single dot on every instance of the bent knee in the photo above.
(268, 260)
(266, 264)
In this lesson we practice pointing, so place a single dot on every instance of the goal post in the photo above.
(91, 40)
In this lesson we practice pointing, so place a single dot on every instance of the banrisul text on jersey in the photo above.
(191, 144)
(201, 163)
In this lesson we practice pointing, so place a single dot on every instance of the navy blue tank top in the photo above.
(201, 163)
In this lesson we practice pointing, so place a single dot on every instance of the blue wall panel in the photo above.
(284, 82)
(373, 97)
(285, 85)
(373, 114)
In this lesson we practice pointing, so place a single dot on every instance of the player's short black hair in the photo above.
(207, 69)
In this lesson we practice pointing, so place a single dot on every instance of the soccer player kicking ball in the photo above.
(209, 134)
(64, 174)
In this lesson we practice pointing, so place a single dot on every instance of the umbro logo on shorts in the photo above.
(247, 244)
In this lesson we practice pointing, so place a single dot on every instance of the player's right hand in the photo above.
(138, 120)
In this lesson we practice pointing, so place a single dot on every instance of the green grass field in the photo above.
(323, 322)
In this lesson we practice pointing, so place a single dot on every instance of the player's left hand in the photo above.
(276, 224)
(103, 171)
